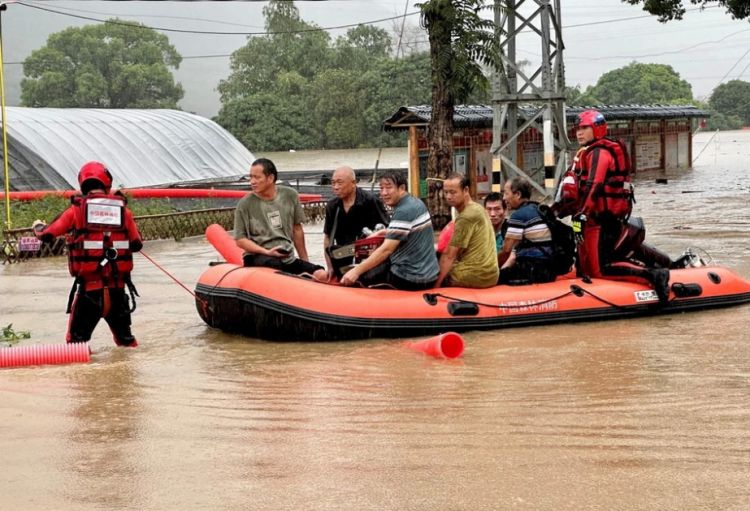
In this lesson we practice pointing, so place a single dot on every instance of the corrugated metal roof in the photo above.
(480, 116)
(140, 147)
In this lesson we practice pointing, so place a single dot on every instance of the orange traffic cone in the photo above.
(447, 345)
(43, 354)
(224, 244)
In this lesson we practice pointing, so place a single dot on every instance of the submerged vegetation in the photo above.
(23, 213)
(11, 336)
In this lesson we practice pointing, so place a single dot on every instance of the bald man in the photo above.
(347, 214)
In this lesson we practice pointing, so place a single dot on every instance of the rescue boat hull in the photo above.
(267, 304)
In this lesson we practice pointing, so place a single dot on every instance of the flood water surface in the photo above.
(650, 413)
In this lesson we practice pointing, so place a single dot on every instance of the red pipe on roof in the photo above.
(158, 193)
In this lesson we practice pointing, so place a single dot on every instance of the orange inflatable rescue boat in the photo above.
(268, 304)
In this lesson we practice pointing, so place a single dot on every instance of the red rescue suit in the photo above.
(101, 237)
(604, 196)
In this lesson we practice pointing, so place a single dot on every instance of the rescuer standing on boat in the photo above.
(101, 236)
(597, 191)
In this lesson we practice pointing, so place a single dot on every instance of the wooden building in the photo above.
(658, 137)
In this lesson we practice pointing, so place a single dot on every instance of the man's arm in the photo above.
(298, 238)
(251, 247)
(599, 161)
(62, 224)
(134, 235)
(380, 255)
(508, 245)
(447, 258)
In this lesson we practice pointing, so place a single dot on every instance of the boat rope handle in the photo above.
(431, 299)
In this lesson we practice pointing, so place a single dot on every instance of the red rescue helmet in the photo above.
(594, 119)
(94, 175)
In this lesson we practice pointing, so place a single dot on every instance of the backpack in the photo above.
(563, 241)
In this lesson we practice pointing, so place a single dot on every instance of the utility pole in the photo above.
(539, 93)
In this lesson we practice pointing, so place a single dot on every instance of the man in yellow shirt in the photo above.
(471, 258)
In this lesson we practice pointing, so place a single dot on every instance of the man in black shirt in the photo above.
(352, 210)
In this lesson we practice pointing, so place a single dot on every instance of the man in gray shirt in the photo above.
(406, 259)
(268, 225)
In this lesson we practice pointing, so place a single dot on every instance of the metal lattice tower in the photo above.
(540, 91)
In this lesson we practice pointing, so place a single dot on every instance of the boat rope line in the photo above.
(431, 299)
(202, 301)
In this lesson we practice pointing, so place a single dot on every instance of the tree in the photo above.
(674, 9)
(461, 41)
(639, 83)
(732, 99)
(341, 90)
(117, 64)
(292, 45)
(276, 119)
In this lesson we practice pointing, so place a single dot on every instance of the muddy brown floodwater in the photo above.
(650, 413)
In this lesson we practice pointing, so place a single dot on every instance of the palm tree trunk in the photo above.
(440, 134)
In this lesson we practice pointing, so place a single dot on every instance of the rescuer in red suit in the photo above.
(101, 237)
(597, 191)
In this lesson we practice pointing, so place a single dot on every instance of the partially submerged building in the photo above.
(47, 146)
(658, 137)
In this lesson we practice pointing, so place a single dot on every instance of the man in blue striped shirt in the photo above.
(406, 259)
(528, 235)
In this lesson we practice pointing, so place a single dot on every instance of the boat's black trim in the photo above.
(254, 315)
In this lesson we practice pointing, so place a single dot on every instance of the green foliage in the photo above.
(118, 64)
(461, 43)
(719, 121)
(674, 9)
(732, 99)
(636, 83)
(303, 91)
(11, 336)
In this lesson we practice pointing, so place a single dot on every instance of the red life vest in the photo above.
(99, 249)
(615, 195)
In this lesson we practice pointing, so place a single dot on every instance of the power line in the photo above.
(733, 66)
(139, 15)
(212, 32)
(668, 52)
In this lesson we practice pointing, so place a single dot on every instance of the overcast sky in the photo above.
(599, 35)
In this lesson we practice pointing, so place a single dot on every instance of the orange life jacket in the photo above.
(615, 195)
(99, 249)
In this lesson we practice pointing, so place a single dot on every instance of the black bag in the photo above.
(563, 241)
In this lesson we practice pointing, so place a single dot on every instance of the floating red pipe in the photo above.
(447, 345)
(45, 354)
(224, 244)
(157, 193)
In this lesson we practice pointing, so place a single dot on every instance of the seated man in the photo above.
(352, 210)
(470, 260)
(268, 224)
(406, 259)
(496, 209)
(529, 235)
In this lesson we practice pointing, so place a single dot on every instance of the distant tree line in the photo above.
(297, 88)
(659, 84)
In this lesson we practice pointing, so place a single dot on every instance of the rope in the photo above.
(144, 254)
(494, 305)
(574, 290)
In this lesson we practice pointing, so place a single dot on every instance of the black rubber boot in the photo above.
(661, 284)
